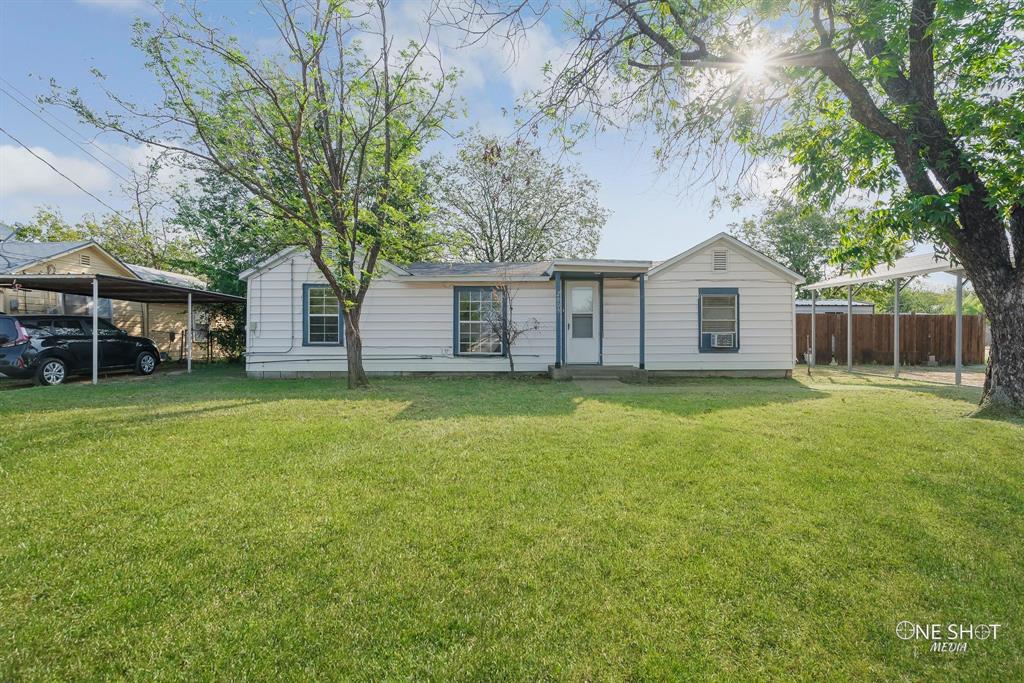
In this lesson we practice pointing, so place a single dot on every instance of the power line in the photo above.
(61, 174)
(54, 128)
(28, 98)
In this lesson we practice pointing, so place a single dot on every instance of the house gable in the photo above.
(86, 258)
(722, 255)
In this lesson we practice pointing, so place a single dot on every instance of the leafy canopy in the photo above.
(501, 201)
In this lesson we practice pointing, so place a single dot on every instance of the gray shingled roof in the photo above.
(538, 269)
(15, 255)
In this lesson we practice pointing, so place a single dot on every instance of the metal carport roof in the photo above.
(908, 266)
(124, 289)
(118, 287)
(905, 269)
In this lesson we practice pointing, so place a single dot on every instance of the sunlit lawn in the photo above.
(220, 527)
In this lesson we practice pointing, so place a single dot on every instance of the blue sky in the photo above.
(653, 216)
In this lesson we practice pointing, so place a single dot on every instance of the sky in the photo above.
(652, 215)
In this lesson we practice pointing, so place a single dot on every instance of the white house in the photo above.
(719, 308)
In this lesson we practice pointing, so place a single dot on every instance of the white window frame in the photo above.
(483, 325)
(308, 317)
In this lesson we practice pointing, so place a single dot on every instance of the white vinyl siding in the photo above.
(412, 326)
(765, 314)
(406, 326)
(621, 322)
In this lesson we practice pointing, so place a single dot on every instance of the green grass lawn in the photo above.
(488, 529)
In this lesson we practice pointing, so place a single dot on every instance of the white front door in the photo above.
(582, 323)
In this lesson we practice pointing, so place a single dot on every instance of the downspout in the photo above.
(259, 308)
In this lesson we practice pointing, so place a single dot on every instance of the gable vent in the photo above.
(85, 259)
(720, 261)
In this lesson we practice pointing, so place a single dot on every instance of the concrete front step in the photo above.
(626, 372)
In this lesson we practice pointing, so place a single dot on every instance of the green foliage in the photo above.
(131, 242)
(917, 299)
(657, 79)
(802, 238)
(325, 133)
(499, 201)
(229, 230)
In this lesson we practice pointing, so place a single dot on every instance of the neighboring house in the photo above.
(163, 323)
(834, 306)
(718, 308)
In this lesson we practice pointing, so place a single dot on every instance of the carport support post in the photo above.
(812, 361)
(959, 327)
(896, 328)
(95, 330)
(188, 335)
(849, 328)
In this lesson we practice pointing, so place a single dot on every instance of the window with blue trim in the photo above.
(323, 316)
(719, 321)
(478, 311)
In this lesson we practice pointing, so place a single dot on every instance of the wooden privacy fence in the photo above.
(921, 336)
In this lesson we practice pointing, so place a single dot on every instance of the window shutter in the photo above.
(720, 260)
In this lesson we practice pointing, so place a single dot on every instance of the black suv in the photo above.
(49, 348)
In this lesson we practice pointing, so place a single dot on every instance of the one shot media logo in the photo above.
(947, 637)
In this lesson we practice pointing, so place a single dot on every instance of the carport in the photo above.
(123, 289)
(902, 271)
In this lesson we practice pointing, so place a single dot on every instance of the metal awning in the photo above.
(118, 287)
(904, 270)
(96, 286)
(906, 267)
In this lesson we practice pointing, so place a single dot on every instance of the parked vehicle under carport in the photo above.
(51, 348)
(97, 286)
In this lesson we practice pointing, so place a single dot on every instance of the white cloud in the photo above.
(521, 66)
(22, 173)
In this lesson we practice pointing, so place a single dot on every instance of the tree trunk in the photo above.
(354, 351)
(1004, 377)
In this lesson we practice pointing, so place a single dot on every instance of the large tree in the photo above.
(802, 238)
(504, 201)
(912, 108)
(325, 132)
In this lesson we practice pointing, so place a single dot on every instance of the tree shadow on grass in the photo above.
(182, 398)
(504, 397)
(691, 397)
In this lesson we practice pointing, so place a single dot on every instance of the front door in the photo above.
(582, 323)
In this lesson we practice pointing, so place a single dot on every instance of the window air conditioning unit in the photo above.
(723, 341)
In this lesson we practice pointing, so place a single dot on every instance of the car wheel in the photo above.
(145, 364)
(52, 372)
